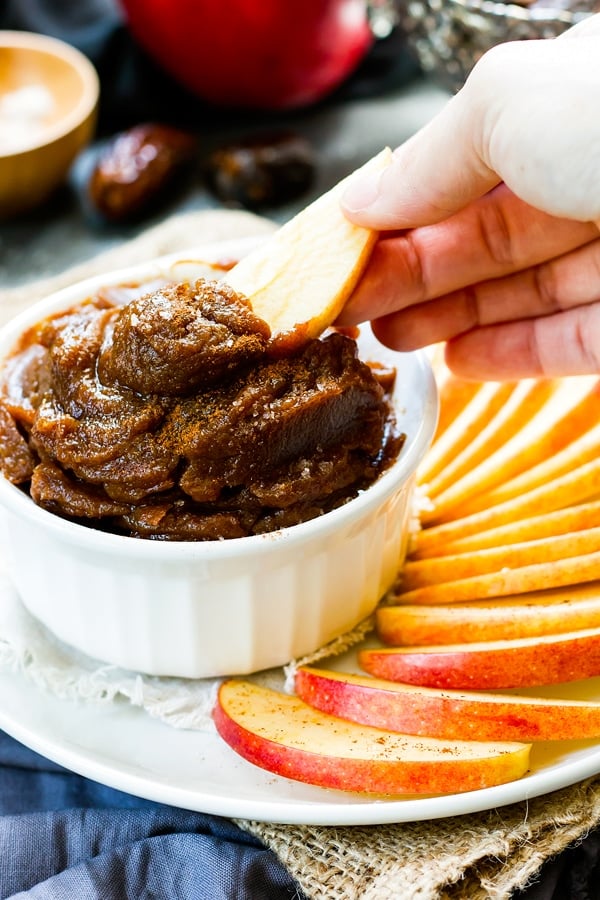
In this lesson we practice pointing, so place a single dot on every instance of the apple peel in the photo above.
(284, 735)
(535, 577)
(490, 665)
(559, 522)
(422, 573)
(300, 278)
(569, 412)
(576, 486)
(444, 714)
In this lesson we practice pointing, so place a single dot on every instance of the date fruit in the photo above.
(132, 174)
(261, 171)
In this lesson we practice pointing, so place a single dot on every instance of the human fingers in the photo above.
(526, 116)
(567, 343)
(494, 236)
(563, 283)
(430, 176)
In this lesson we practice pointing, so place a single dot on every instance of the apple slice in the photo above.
(579, 451)
(454, 392)
(580, 485)
(300, 278)
(483, 407)
(525, 400)
(521, 615)
(423, 573)
(507, 581)
(449, 715)
(570, 410)
(489, 665)
(560, 522)
(282, 734)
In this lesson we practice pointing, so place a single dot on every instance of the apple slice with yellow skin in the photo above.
(518, 616)
(300, 278)
(454, 392)
(490, 665)
(483, 408)
(560, 522)
(449, 715)
(423, 573)
(282, 734)
(568, 412)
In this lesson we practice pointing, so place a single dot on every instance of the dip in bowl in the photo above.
(172, 601)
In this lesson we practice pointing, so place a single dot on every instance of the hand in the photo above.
(489, 212)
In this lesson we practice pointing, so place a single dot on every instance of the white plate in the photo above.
(123, 747)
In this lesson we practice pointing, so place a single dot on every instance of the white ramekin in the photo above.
(219, 607)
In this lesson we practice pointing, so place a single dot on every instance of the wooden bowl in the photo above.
(48, 100)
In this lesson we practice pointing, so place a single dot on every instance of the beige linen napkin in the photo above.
(477, 856)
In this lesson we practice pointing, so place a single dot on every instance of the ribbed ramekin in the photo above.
(216, 608)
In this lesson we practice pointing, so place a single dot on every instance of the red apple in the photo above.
(491, 665)
(265, 54)
(282, 734)
(451, 715)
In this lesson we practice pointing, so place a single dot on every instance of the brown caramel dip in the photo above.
(169, 418)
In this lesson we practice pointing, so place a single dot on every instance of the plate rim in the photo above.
(326, 812)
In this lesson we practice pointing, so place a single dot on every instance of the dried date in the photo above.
(262, 171)
(137, 167)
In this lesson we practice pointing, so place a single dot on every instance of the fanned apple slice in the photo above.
(528, 396)
(483, 408)
(280, 733)
(442, 569)
(449, 715)
(580, 485)
(569, 412)
(300, 278)
(490, 665)
(550, 524)
(454, 392)
(539, 576)
(554, 611)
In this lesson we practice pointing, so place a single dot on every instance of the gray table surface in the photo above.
(61, 235)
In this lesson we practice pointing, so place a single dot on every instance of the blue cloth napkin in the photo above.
(64, 837)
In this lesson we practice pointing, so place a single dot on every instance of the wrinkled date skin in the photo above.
(261, 171)
(136, 168)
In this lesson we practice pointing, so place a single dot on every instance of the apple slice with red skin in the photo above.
(280, 733)
(449, 715)
(489, 665)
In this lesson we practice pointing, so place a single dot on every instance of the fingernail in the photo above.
(362, 191)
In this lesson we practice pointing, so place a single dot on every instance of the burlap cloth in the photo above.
(482, 855)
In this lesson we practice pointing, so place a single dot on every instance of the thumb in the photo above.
(435, 173)
(517, 119)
